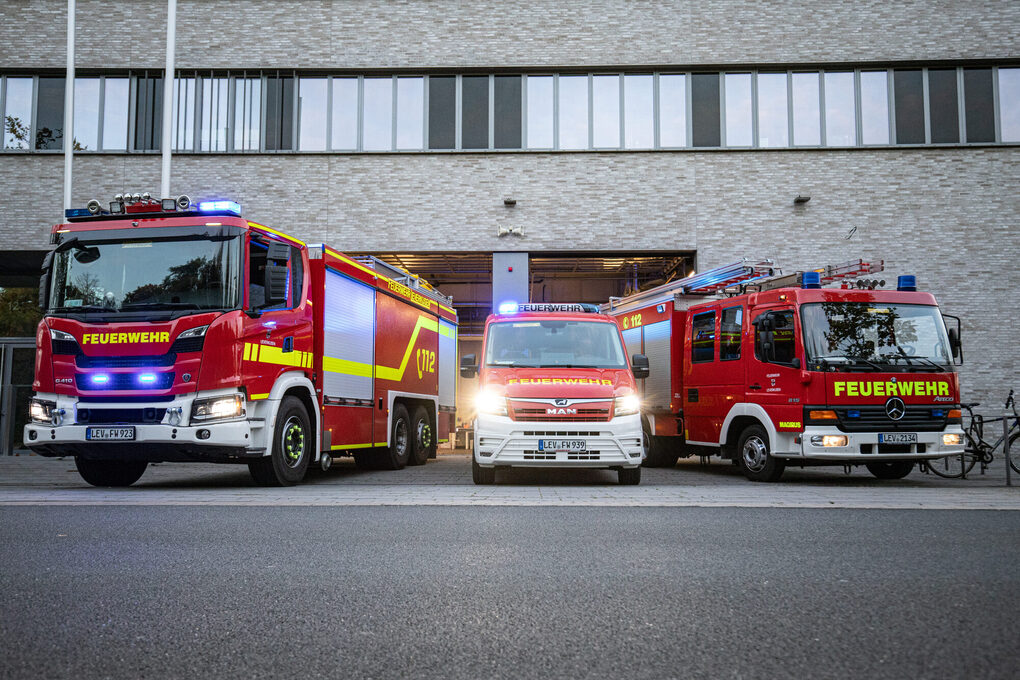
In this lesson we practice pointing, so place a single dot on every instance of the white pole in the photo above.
(168, 96)
(69, 106)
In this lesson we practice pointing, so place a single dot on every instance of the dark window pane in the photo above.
(909, 98)
(280, 114)
(703, 337)
(442, 112)
(148, 113)
(944, 106)
(705, 109)
(980, 110)
(475, 112)
(730, 327)
(49, 130)
(507, 115)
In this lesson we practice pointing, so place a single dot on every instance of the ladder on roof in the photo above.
(706, 283)
(401, 275)
(831, 273)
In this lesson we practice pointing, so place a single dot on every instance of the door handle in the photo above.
(755, 386)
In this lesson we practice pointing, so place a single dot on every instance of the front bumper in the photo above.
(863, 446)
(172, 439)
(501, 442)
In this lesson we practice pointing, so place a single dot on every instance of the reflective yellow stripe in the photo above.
(273, 231)
(253, 397)
(447, 331)
(334, 365)
(357, 446)
(397, 374)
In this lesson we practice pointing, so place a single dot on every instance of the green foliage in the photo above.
(19, 312)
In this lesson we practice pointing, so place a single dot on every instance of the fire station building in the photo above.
(570, 150)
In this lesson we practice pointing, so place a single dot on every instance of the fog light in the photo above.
(829, 440)
(203, 433)
(32, 434)
(952, 439)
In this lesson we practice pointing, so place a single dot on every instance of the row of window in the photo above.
(285, 112)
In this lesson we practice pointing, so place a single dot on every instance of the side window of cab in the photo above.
(775, 340)
(283, 264)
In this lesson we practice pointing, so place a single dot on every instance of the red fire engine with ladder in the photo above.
(176, 332)
(771, 370)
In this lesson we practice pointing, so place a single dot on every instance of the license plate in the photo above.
(562, 445)
(898, 438)
(110, 433)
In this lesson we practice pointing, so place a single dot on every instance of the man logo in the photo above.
(561, 402)
(561, 411)
(895, 409)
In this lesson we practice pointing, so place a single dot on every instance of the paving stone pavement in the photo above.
(31, 480)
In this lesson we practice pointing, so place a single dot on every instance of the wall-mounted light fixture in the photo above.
(509, 201)
(801, 200)
(510, 231)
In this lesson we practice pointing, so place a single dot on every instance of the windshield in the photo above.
(875, 332)
(551, 344)
(192, 273)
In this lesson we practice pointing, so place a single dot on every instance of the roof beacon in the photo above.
(811, 280)
(906, 282)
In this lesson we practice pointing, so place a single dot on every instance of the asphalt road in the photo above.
(505, 592)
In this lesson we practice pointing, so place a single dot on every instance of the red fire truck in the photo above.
(771, 370)
(555, 391)
(187, 333)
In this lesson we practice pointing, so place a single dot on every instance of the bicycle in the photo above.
(977, 449)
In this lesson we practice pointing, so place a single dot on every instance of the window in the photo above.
(673, 110)
(703, 337)
(874, 107)
(474, 112)
(781, 334)
(311, 114)
(840, 110)
(540, 112)
(184, 114)
(18, 113)
(247, 113)
(908, 96)
(442, 112)
(148, 113)
(979, 111)
(943, 105)
(773, 119)
(86, 114)
(49, 114)
(115, 114)
(605, 112)
(215, 103)
(730, 333)
(738, 109)
(345, 113)
(705, 109)
(507, 113)
(410, 113)
(573, 118)
(279, 122)
(377, 114)
(297, 277)
(1009, 104)
(807, 124)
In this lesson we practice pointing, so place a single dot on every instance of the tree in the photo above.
(19, 312)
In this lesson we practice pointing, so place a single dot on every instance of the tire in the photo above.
(482, 475)
(396, 456)
(629, 476)
(1014, 452)
(423, 437)
(892, 469)
(110, 472)
(656, 451)
(756, 461)
(292, 446)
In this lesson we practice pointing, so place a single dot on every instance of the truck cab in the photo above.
(555, 390)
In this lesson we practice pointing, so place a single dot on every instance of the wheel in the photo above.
(629, 476)
(395, 457)
(891, 469)
(110, 472)
(287, 462)
(755, 460)
(482, 475)
(1014, 452)
(656, 452)
(952, 467)
(422, 437)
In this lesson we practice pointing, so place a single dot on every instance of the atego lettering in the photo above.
(904, 388)
(125, 338)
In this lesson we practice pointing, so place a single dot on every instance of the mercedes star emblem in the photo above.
(895, 409)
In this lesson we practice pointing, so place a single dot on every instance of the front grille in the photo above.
(182, 345)
(123, 381)
(893, 448)
(116, 416)
(583, 455)
(530, 454)
(543, 433)
(873, 418)
(534, 413)
(156, 360)
(538, 455)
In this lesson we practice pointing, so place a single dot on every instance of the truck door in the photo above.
(773, 374)
(700, 376)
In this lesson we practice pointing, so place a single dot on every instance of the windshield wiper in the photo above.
(928, 363)
(85, 308)
(160, 305)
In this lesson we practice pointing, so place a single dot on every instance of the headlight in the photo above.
(194, 332)
(627, 405)
(829, 440)
(952, 439)
(41, 411)
(217, 408)
(491, 402)
(61, 335)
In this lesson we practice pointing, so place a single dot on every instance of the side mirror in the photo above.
(639, 364)
(468, 367)
(955, 345)
(277, 277)
(44, 281)
(795, 362)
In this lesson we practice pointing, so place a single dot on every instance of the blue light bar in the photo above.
(220, 206)
(811, 280)
(100, 379)
(147, 378)
(507, 307)
(906, 282)
(938, 413)
(853, 413)
(77, 212)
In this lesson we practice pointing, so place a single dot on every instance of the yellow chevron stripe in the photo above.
(397, 374)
